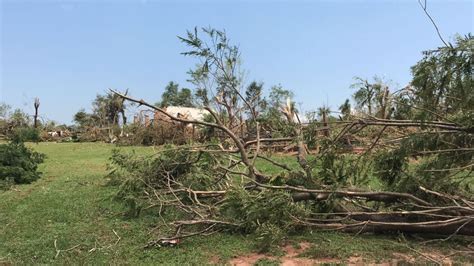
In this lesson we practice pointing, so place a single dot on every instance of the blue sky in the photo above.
(66, 52)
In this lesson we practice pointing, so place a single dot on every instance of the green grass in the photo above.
(72, 206)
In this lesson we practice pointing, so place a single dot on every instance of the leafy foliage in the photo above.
(24, 134)
(254, 97)
(106, 112)
(84, 119)
(107, 108)
(19, 119)
(373, 98)
(174, 96)
(442, 81)
(342, 170)
(218, 73)
(174, 164)
(345, 110)
(18, 164)
(441, 89)
(4, 110)
(272, 118)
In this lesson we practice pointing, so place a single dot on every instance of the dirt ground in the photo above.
(293, 257)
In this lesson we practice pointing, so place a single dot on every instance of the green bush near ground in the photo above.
(24, 134)
(18, 164)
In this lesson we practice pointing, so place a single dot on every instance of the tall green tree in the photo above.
(83, 119)
(174, 96)
(254, 97)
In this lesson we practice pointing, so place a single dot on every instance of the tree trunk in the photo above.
(36, 105)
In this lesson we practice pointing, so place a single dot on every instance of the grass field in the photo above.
(70, 216)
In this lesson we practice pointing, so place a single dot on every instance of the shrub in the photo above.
(24, 134)
(18, 164)
(160, 132)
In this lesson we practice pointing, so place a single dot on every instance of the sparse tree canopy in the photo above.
(217, 76)
(108, 109)
(373, 98)
(19, 118)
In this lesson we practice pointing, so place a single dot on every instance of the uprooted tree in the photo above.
(414, 174)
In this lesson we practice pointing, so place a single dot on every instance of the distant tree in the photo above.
(279, 104)
(345, 110)
(402, 107)
(364, 96)
(382, 98)
(49, 126)
(374, 98)
(19, 118)
(107, 109)
(174, 96)
(36, 105)
(279, 96)
(4, 110)
(185, 98)
(82, 118)
(323, 113)
(254, 97)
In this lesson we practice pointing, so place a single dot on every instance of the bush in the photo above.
(18, 164)
(25, 134)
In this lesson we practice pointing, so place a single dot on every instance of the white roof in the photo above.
(191, 113)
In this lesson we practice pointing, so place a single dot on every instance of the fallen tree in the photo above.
(206, 192)
(202, 189)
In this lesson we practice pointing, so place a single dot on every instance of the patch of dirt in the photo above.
(289, 259)
(404, 257)
(215, 260)
(438, 257)
(355, 261)
(248, 260)
(291, 251)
